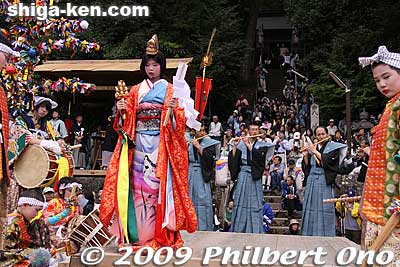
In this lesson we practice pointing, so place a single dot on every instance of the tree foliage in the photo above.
(334, 35)
(183, 29)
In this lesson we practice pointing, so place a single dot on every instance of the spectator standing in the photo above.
(332, 128)
(58, 125)
(242, 105)
(108, 146)
(294, 227)
(79, 136)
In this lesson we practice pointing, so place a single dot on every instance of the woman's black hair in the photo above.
(323, 127)
(159, 58)
(46, 104)
(32, 193)
(375, 64)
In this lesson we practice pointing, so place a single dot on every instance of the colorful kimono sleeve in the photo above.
(13, 235)
(17, 235)
(57, 206)
(20, 136)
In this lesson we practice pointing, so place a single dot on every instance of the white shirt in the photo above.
(332, 130)
(215, 129)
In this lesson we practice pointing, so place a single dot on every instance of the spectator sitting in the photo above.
(268, 216)
(233, 121)
(216, 129)
(228, 216)
(364, 145)
(296, 144)
(291, 170)
(338, 137)
(242, 104)
(257, 114)
(226, 145)
(290, 197)
(267, 125)
(276, 172)
(265, 136)
(282, 145)
(294, 227)
(242, 129)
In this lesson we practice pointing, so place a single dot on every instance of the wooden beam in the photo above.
(88, 173)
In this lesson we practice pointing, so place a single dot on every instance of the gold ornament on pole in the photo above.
(121, 91)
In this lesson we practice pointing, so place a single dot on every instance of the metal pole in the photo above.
(346, 87)
(348, 118)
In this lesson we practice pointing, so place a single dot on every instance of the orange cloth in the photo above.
(5, 133)
(382, 180)
(172, 147)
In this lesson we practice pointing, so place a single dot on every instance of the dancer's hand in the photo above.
(121, 104)
(173, 102)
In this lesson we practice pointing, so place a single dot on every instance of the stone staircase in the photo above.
(280, 223)
(275, 83)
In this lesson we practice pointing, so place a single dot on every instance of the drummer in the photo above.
(33, 128)
(61, 209)
(23, 230)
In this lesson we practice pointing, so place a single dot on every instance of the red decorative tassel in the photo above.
(202, 91)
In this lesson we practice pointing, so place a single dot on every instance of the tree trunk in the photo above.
(248, 64)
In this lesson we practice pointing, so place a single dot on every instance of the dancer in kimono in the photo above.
(321, 164)
(202, 155)
(146, 185)
(246, 162)
(382, 179)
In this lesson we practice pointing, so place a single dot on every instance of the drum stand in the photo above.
(98, 140)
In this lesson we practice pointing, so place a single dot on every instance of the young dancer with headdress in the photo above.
(382, 179)
(146, 185)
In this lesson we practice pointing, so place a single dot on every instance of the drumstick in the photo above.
(341, 199)
(75, 146)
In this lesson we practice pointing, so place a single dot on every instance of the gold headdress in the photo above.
(152, 45)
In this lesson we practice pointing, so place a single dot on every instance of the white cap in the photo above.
(41, 99)
(296, 135)
(48, 190)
